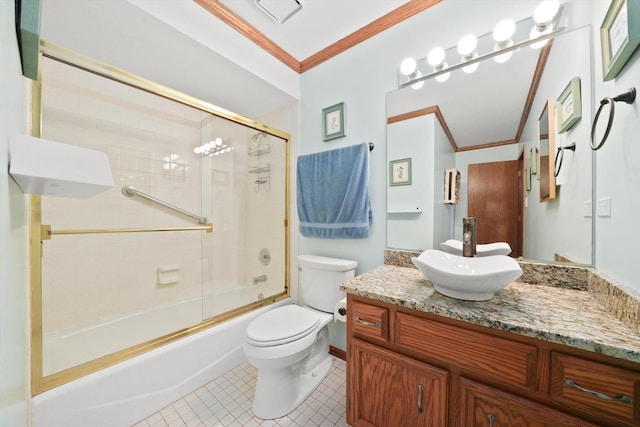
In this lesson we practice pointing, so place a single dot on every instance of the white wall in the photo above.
(14, 351)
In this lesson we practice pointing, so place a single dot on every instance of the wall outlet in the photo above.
(586, 211)
(604, 207)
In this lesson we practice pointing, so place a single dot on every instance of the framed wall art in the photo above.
(400, 172)
(569, 106)
(333, 122)
(619, 36)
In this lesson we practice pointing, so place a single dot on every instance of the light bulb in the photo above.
(467, 45)
(436, 56)
(408, 66)
(546, 11)
(218, 141)
(504, 57)
(503, 31)
(417, 85)
(470, 68)
(443, 77)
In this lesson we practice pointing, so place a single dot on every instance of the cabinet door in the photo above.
(486, 406)
(387, 389)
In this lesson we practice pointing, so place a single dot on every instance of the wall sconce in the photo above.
(409, 67)
(436, 60)
(213, 148)
(502, 35)
(467, 48)
(543, 17)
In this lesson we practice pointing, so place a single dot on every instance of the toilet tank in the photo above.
(319, 280)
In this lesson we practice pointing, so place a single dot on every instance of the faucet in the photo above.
(469, 236)
(261, 278)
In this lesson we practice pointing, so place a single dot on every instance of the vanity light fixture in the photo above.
(436, 60)
(409, 67)
(548, 20)
(543, 17)
(213, 148)
(502, 35)
(467, 48)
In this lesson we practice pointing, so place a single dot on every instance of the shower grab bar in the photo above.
(47, 232)
(130, 192)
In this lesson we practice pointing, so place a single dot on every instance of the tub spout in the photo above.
(261, 278)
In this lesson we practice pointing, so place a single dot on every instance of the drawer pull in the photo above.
(492, 419)
(365, 323)
(420, 391)
(620, 398)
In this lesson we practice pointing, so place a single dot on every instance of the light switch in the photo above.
(586, 211)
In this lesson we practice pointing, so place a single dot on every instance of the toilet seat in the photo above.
(281, 326)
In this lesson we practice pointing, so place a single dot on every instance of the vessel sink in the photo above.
(466, 278)
(498, 248)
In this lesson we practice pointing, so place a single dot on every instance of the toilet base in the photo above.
(269, 405)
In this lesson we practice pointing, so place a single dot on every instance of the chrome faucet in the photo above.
(261, 278)
(469, 236)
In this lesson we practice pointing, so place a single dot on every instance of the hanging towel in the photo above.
(333, 193)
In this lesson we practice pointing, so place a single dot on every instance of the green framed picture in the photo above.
(619, 36)
(569, 106)
(333, 122)
(400, 172)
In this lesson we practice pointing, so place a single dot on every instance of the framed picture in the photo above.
(400, 172)
(619, 36)
(569, 106)
(333, 122)
(527, 179)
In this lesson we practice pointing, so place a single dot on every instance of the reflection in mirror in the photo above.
(492, 116)
(546, 125)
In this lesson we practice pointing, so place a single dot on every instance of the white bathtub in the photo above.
(123, 394)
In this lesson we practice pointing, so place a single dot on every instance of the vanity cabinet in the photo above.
(411, 368)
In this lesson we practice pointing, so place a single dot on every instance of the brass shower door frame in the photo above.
(38, 233)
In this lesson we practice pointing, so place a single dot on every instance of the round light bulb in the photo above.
(408, 66)
(419, 84)
(546, 11)
(467, 44)
(502, 58)
(436, 56)
(443, 77)
(504, 30)
(218, 141)
(470, 68)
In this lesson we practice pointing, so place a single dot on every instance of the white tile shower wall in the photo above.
(149, 141)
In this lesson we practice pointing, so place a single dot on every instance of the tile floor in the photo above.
(226, 402)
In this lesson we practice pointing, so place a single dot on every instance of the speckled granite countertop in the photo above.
(565, 316)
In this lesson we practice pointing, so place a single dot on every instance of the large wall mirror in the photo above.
(492, 116)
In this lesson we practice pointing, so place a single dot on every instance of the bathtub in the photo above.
(126, 393)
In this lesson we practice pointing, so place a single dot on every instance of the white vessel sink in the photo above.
(466, 278)
(498, 248)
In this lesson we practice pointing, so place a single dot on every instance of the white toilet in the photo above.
(289, 345)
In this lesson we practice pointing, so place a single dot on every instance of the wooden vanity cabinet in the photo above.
(410, 368)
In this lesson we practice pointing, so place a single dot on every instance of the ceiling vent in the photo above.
(280, 10)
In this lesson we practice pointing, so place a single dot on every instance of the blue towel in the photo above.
(333, 193)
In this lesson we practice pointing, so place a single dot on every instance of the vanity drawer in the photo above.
(370, 321)
(492, 357)
(596, 389)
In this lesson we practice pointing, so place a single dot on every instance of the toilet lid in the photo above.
(282, 325)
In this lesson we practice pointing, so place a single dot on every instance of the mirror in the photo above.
(492, 115)
(546, 124)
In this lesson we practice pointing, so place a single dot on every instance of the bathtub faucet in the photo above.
(261, 278)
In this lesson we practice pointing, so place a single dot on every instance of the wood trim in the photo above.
(407, 10)
(434, 109)
(489, 145)
(335, 351)
(535, 82)
(249, 31)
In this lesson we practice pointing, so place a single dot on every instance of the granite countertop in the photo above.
(565, 316)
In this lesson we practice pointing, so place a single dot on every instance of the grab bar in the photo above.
(130, 192)
(47, 232)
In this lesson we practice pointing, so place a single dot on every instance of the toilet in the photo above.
(289, 345)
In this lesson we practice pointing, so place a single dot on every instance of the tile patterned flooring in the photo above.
(226, 402)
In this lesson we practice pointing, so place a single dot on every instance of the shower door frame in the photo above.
(38, 233)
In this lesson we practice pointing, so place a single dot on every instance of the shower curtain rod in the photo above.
(130, 191)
